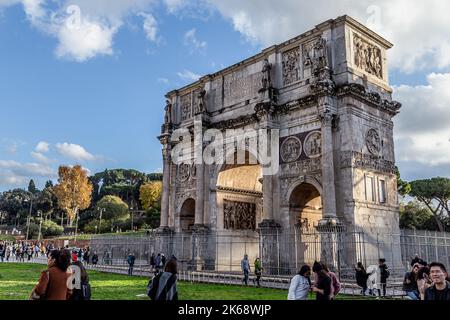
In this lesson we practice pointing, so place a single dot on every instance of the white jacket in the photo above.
(299, 288)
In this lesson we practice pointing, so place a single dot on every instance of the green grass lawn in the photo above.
(18, 279)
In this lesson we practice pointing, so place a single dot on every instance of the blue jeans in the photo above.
(245, 280)
(414, 295)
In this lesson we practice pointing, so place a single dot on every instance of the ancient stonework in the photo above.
(239, 215)
(291, 66)
(367, 56)
(313, 145)
(320, 95)
(373, 141)
(291, 149)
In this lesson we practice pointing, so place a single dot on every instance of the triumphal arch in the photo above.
(323, 104)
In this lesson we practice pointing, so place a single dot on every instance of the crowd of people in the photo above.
(21, 251)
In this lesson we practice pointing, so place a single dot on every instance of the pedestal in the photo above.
(269, 242)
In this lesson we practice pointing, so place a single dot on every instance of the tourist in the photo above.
(440, 290)
(383, 275)
(163, 286)
(2, 251)
(361, 277)
(8, 252)
(29, 252)
(258, 271)
(300, 284)
(130, 260)
(410, 283)
(37, 249)
(163, 261)
(423, 281)
(53, 283)
(152, 262)
(81, 287)
(335, 284)
(86, 255)
(245, 267)
(158, 263)
(74, 256)
(94, 258)
(323, 286)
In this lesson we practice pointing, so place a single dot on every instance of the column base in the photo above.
(329, 222)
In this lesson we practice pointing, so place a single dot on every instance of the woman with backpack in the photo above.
(53, 283)
(163, 286)
(382, 277)
(335, 284)
(361, 277)
(81, 287)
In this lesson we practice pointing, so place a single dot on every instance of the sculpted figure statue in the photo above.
(168, 110)
(266, 81)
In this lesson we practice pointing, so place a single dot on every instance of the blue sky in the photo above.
(95, 96)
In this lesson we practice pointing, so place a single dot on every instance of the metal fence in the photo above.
(281, 253)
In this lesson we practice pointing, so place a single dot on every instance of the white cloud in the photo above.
(150, 26)
(74, 151)
(42, 147)
(188, 75)
(190, 40)
(418, 29)
(422, 130)
(175, 5)
(163, 80)
(26, 169)
(40, 157)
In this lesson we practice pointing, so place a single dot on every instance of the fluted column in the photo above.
(329, 191)
(199, 204)
(166, 188)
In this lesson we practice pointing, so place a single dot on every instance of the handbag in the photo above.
(34, 296)
(86, 291)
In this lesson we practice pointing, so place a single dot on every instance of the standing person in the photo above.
(383, 276)
(163, 261)
(152, 262)
(8, 252)
(74, 256)
(37, 249)
(53, 283)
(94, 258)
(2, 251)
(335, 284)
(322, 287)
(300, 284)
(86, 256)
(361, 277)
(81, 287)
(130, 260)
(410, 283)
(163, 286)
(423, 281)
(258, 271)
(157, 263)
(440, 290)
(245, 267)
(29, 251)
(80, 254)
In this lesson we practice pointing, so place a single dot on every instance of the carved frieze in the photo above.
(349, 159)
(240, 85)
(373, 142)
(186, 107)
(313, 145)
(291, 66)
(367, 56)
(239, 215)
(183, 172)
(302, 166)
(291, 149)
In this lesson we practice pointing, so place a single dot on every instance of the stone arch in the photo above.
(305, 203)
(187, 214)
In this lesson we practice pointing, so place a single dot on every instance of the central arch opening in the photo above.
(305, 206)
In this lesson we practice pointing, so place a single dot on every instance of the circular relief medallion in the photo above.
(313, 144)
(183, 172)
(373, 141)
(291, 148)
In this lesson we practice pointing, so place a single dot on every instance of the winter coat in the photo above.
(299, 288)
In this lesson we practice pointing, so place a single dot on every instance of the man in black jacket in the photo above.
(440, 290)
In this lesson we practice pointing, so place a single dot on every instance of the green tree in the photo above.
(115, 211)
(416, 215)
(50, 228)
(49, 184)
(32, 187)
(435, 195)
(403, 187)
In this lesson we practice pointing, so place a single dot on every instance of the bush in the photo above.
(90, 226)
(114, 209)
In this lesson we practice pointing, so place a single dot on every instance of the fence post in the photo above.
(296, 250)
(278, 253)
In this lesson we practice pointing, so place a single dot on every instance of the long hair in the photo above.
(171, 266)
(62, 259)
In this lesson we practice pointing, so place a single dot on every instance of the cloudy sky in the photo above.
(83, 81)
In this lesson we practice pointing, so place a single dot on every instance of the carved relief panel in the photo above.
(240, 86)
(303, 146)
(367, 57)
(186, 107)
(239, 215)
(373, 142)
(291, 66)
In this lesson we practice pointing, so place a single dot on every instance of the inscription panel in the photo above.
(240, 86)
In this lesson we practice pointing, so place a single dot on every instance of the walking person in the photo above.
(53, 282)
(94, 259)
(335, 284)
(130, 260)
(245, 267)
(158, 263)
(440, 290)
(410, 283)
(361, 277)
(2, 251)
(258, 272)
(383, 275)
(300, 284)
(152, 262)
(163, 286)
